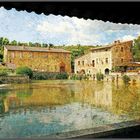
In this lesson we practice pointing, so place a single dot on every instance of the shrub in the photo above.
(126, 79)
(3, 71)
(24, 71)
(62, 76)
(99, 76)
(49, 76)
(78, 77)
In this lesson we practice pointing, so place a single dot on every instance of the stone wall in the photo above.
(40, 61)
(14, 79)
(122, 53)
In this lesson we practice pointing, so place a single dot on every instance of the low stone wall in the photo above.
(119, 78)
(14, 79)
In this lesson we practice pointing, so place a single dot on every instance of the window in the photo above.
(78, 62)
(130, 60)
(55, 68)
(102, 62)
(93, 63)
(12, 54)
(121, 60)
(121, 49)
(106, 60)
(83, 63)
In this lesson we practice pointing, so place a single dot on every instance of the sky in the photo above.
(62, 30)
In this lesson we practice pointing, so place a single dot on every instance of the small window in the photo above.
(78, 62)
(121, 60)
(55, 67)
(102, 62)
(83, 63)
(121, 49)
(106, 60)
(12, 54)
(93, 63)
(130, 60)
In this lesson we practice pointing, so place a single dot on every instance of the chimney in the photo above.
(117, 41)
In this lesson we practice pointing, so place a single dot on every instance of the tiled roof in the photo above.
(105, 47)
(109, 46)
(35, 49)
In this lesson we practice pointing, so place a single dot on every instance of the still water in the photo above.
(44, 108)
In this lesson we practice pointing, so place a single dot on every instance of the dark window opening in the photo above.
(121, 49)
(106, 60)
(78, 62)
(93, 63)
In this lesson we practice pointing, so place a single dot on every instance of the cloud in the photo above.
(59, 30)
(127, 37)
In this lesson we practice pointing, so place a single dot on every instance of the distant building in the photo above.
(37, 58)
(105, 59)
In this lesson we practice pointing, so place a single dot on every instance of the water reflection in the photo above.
(48, 107)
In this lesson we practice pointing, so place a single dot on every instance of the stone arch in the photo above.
(106, 71)
(62, 67)
(82, 71)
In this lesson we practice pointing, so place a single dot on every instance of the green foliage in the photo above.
(76, 77)
(99, 76)
(117, 69)
(3, 71)
(49, 76)
(126, 79)
(136, 49)
(79, 77)
(62, 76)
(14, 42)
(4, 41)
(24, 71)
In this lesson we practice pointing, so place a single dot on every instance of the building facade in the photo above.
(38, 59)
(105, 59)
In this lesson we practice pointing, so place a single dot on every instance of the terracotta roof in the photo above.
(99, 48)
(35, 49)
(130, 64)
(111, 45)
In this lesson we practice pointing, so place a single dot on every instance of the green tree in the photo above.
(136, 49)
(126, 79)
(4, 41)
(14, 42)
(24, 71)
(44, 45)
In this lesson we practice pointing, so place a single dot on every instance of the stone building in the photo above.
(37, 58)
(105, 59)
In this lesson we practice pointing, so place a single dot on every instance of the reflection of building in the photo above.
(104, 59)
(104, 97)
(37, 58)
